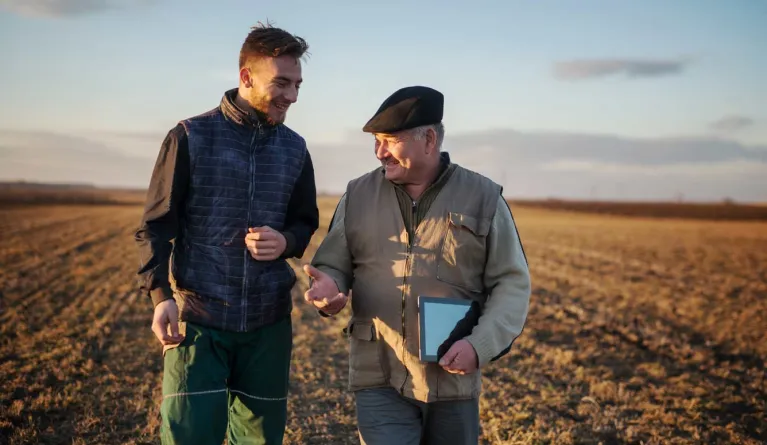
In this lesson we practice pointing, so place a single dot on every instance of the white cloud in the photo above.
(537, 148)
(580, 69)
(548, 164)
(46, 157)
(732, 123)
(726, 168)
(63, 8)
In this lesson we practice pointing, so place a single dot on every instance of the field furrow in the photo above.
(69, 283)
(25, 221)
(701, 314)
(640, 331)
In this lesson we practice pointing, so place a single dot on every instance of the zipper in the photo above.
(408, 259)
(251, 192)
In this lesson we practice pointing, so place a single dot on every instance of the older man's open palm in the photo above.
(323, 292)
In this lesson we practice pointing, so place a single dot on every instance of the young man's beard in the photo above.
(260, 106)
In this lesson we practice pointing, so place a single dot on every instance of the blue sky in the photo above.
(119, 77)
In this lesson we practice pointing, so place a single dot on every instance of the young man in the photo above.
(234, 191)
(420, 225)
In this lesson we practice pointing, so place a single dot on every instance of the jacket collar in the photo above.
(444, 164)
(445, 170)
(234, 113)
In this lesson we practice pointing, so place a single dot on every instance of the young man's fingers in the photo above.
(258, 236)
(266, 244)
(174, 329)
(261, 243)
(161, 332)
(260, 229)
(257, 249)
(158, 331)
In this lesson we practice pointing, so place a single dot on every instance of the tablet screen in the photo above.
(439, 317)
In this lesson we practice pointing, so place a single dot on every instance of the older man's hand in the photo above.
(461, 358)
(323, 293)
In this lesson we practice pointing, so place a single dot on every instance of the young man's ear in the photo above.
(245, 78)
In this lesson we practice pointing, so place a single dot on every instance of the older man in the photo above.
(419, 225)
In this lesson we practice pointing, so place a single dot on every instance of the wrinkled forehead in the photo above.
(397, 136)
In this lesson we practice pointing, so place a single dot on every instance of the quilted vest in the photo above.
(241, 176)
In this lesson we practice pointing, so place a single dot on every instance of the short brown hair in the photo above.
(265, 40)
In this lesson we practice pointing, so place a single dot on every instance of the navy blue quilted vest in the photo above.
(241, 176)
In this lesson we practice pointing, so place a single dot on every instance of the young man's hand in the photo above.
(265, 243)
(166, 314)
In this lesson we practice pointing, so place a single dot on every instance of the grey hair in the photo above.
(419, 133)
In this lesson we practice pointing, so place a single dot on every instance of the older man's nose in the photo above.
(381, 150)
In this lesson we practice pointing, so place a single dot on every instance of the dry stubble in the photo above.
(640, 331)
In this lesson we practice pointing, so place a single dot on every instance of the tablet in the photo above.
(437, 317)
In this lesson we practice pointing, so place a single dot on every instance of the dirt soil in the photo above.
(640, 331)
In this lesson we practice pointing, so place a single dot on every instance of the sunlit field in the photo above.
(641, 330)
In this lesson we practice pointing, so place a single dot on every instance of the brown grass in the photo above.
(640, 331)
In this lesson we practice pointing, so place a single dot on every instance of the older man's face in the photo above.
(401, 156)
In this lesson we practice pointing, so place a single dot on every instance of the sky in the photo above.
(586, 99)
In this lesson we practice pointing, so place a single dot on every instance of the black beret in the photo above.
(407, 108)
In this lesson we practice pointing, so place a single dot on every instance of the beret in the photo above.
(407, 108)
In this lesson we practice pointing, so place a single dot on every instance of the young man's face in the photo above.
(274, 84)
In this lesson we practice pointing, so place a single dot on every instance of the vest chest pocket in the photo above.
(462, 258)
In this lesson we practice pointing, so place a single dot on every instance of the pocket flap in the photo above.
(477, 226)
(362, 330)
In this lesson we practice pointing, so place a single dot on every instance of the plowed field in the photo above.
(640, 331)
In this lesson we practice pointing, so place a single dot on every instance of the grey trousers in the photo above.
(386, 418)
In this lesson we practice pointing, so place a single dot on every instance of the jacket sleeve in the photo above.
(333, 256)
(303, 216)
(159, 223)
(507, 279)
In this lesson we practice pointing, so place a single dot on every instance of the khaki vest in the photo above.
(446, 259)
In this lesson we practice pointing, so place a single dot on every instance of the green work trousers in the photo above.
(216, 381)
